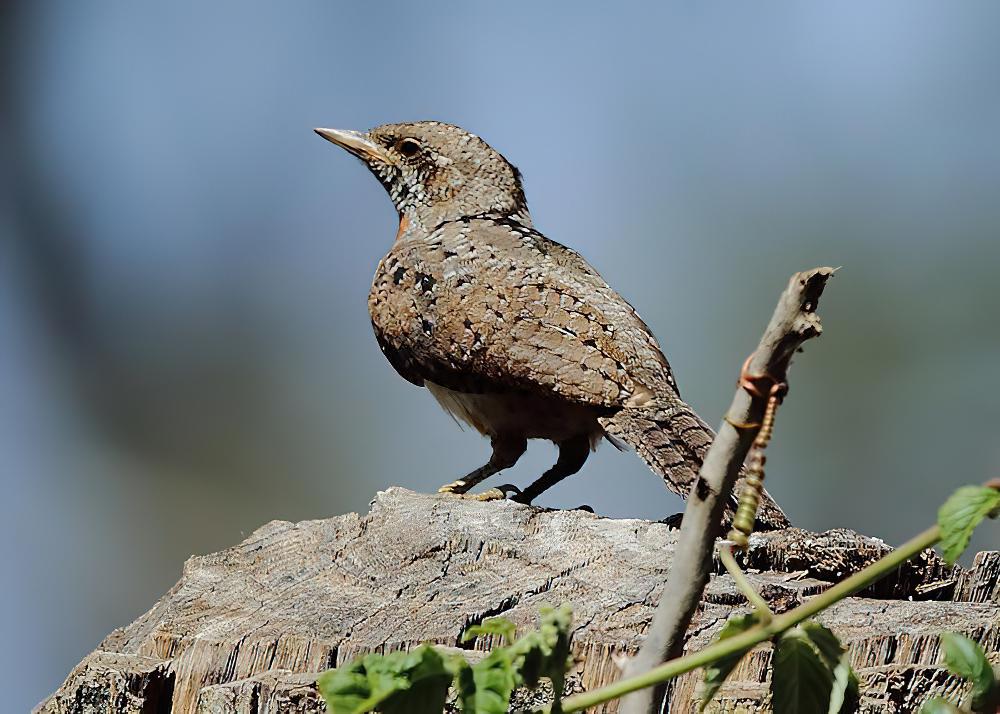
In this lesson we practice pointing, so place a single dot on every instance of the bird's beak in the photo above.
(356, 142)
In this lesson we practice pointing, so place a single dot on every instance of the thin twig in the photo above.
(794, 321)
(751, 594)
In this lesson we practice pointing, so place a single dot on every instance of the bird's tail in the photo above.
(673, 440)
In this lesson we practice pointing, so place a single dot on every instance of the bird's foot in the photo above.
(490, 494)
(458, 488)
(500, 493)
(673, 521)
(461, 488)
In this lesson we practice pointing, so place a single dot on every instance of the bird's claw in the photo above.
(673, 521)
(490, 494)
(456, 488)
(461, 488)
(503, 491)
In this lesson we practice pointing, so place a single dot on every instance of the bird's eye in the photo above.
(407, 147)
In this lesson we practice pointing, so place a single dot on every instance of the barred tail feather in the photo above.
(673, 440)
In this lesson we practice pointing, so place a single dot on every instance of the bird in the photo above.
(514, 334)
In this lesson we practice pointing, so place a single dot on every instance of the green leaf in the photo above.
(965, 658)
(826, 642)
(545, 653)
(801, 681)
(417, 682)
(937, 705)
(486, 687)
(716, 673)
(492, 626)
(397, 683)
(960, 515)
(844, 692)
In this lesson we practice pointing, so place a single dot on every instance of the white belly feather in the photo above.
(513, 413)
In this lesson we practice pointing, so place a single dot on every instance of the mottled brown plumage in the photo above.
(513, 333)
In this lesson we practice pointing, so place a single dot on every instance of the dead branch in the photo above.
(794, 321)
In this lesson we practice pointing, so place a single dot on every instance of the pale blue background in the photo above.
(184, 345)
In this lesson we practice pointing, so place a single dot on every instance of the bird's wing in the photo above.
(490, 304)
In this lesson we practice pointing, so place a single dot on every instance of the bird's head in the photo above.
(437, 172)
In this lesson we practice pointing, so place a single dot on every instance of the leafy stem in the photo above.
(758, 633)
(764, 613)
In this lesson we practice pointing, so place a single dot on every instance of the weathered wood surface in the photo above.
(247, 629)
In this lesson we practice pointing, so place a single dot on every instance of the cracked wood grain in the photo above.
(248, 629)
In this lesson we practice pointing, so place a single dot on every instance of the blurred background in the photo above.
(185, 350)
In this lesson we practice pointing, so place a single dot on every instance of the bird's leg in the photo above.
(506, 451)
(573, 454)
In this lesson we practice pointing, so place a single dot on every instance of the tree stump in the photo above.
(249, 628)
